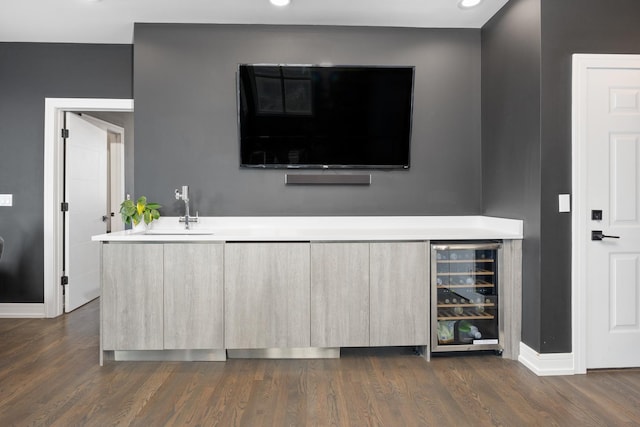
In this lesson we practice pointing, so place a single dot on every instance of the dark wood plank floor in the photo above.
(49, 375)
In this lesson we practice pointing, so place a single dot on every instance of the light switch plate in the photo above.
(564, 202)
(6, 199)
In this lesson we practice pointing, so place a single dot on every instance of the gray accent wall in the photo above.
(511, 165)
(186, 124)
(29, 73)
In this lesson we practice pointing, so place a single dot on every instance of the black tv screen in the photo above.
(300, 116)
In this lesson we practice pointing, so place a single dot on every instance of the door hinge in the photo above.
(64, 280)
(65, 133)
(64, 206)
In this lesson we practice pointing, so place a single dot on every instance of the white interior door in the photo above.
(86, 193)
(612, 136)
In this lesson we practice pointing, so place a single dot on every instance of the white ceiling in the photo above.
(111, 21)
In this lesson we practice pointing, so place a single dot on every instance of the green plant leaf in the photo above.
(147, 217)
(136, 218)
(128, 210)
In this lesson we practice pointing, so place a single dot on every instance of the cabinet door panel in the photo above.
(266, 295)
(339, 294)
(132, 297)
(399, 294)
(193, 296)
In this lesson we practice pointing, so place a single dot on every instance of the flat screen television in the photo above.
(302, 116)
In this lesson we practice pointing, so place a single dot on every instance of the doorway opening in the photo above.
(54, 262)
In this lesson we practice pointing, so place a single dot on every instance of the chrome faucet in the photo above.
(184, 195)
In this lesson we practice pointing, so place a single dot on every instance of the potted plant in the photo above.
(140, 211)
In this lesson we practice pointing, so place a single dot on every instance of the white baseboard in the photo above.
(546, 364)
(16, 310)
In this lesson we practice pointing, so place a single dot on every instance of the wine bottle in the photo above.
(474, 332)
(468, 332)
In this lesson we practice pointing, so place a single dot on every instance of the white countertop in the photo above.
(325, 228)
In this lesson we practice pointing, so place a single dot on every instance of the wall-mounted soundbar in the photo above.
(322, 179)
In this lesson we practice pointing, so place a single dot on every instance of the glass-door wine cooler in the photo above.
(464, 286)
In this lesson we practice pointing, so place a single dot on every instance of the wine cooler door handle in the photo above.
(598, 235)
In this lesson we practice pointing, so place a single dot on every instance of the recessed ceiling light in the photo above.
(280, 2)
(467, 4)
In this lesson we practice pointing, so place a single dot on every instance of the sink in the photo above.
(179, 232)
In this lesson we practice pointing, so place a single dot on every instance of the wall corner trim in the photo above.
(22, 310)
(546, 364)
